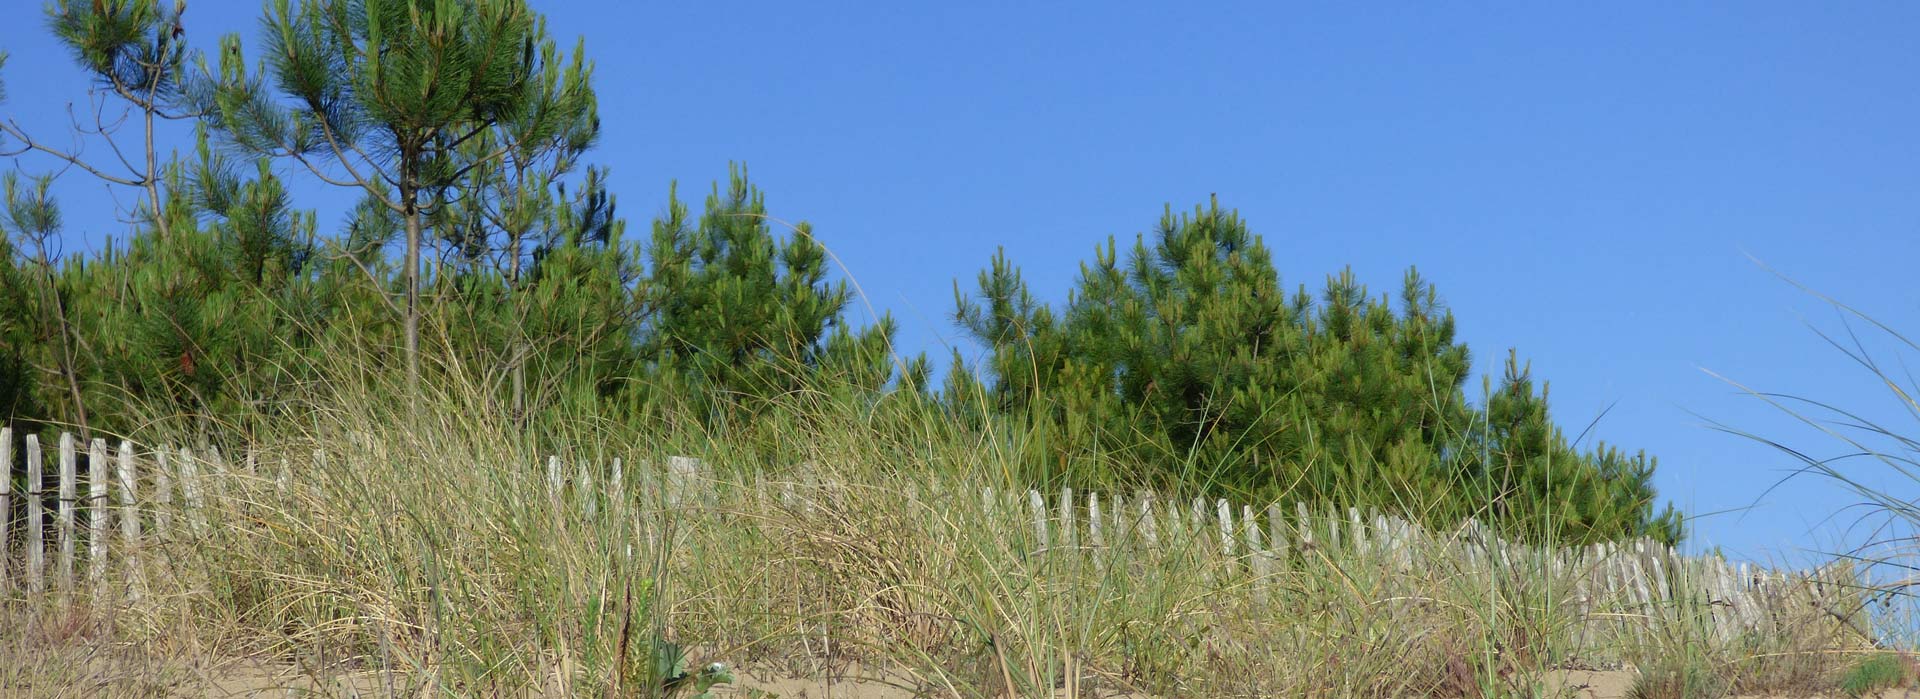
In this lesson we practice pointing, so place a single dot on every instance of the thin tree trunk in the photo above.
(409, 198)
(67, 364)
(153, 184)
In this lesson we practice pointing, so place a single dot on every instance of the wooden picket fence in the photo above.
(1618, 587)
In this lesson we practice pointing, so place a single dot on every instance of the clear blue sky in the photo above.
(1583, 183)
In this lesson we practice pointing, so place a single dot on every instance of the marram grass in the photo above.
(418, 550)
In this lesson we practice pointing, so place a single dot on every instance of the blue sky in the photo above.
(1583, 183)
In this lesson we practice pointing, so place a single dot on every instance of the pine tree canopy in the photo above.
(1189, 362)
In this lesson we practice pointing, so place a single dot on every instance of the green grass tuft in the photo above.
(1678, 681)
(1875, 673)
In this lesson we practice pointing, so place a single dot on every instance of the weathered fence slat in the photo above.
(583, 489)
(69, 496)
(682, 473)
(97, 513)
(162, 495)
(1069, 532)
(1196, 523)
(6, 501)
(1037, 509)
(1256, 551)
(1356, 530)
(1095, 536)
(1302, 526)
(1277, 539)
(1333, 528)
(36, 517)
(617, 491)
(129, 517)
(1224, 513)
(190, 489)
(1149, 530)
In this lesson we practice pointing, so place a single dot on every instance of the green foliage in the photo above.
(1677, 681)
(1874, 673)
(734, 313)
(455, 115)
(130, 46)
(674, 678)
(1189, 363)
(29, 325)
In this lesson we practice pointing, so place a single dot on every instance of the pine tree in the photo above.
(414, 102)
(40, 333)
(1188, 364)
(733, 312)
(137, 52)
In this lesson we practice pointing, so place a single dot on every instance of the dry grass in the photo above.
(420, 552)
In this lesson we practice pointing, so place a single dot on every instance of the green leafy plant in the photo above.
(1678, 681)
(670, 668)
(1874, 673)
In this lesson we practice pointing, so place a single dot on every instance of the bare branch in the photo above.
(13, 128)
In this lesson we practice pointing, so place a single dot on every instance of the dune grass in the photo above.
(416, 549)
(1877, 672)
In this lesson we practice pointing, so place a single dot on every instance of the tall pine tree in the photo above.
(407, 100)
(1188, 363)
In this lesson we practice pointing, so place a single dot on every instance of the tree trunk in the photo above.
(68, 365)
(409, 199)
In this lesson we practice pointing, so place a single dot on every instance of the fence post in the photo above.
(1356, 530)
(553, 482)
(1730, 575)
(1174, 527)
(1640, 592)
(36, 516)
(1277, 540)
(1224, 513)
(1749, 596)
(1095, 536)
(190, 489)
(583, 489)
(1069, 530)
(1610, 584)
(69, 495)
(1256, 553)
(1333, 528)
(1196, 523)
(682, 473)
(1385, 537)
(617, 491)
(129, 517)
(97, 513)
(1037, 508)
(1116, 520)
(163, 494)
(1304, 524)
(6, 500)
(1149, 529)
(1660, 584)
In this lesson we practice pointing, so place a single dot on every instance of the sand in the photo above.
(259, 681)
